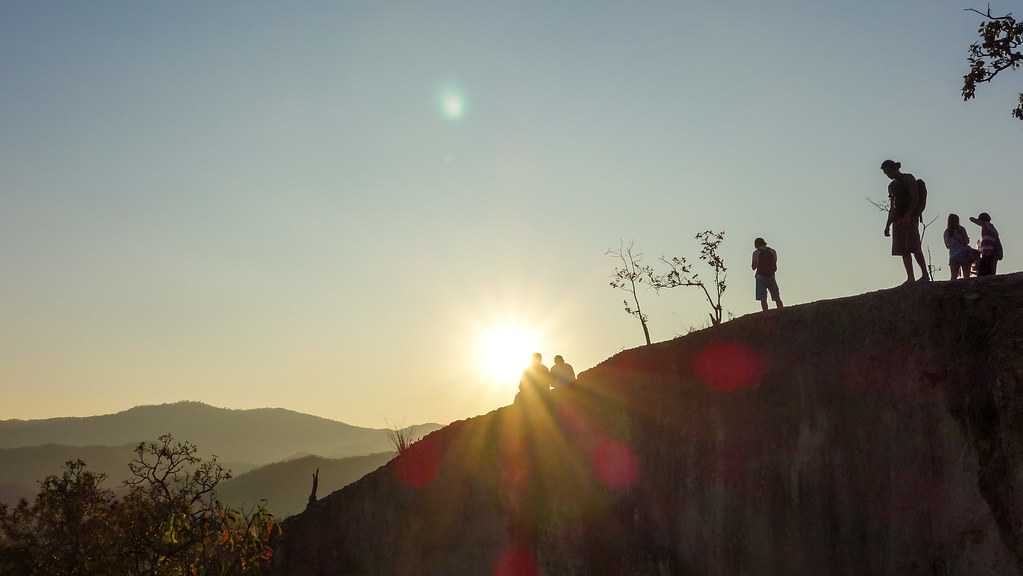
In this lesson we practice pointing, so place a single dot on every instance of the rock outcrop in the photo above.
(879, 434)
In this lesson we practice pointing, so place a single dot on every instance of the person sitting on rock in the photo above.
(536, 379)
(562, 374)
(765, 263)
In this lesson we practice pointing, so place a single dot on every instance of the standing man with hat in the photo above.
(904, 215)
(990, 245)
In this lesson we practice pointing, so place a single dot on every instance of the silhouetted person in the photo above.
(904, 214)
(960, 255)
(562, 374)
(536, 379)
(990, 245)
(765, 263)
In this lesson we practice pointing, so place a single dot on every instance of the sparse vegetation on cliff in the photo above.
(631, 276)
(402, 439)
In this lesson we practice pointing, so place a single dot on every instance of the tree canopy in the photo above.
(998, 50)
(168, 523)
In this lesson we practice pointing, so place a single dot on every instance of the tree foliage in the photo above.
(631, 275)
(169, 522)
(680, 273)
(999, 49)
(64, 531)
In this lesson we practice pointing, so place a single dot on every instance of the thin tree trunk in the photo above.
(639, 313)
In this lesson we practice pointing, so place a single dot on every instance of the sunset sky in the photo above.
(329, 208)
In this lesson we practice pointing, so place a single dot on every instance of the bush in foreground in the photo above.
(169, 522)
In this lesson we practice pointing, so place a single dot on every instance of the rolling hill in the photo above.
(21, 469)
(285, 485)
(258, 436)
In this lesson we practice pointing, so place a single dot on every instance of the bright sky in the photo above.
(333, 208)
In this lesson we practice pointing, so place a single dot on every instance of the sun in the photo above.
(505, 351)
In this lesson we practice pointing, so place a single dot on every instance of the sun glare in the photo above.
(505, 351)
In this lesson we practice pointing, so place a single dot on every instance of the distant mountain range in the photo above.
(21, 469)
(282, 486)
(271, 452)
(258, 436)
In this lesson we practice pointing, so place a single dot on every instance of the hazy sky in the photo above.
(254, 204)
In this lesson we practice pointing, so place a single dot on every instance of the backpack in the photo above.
(999, 254)
(767, 261)
(921, 200)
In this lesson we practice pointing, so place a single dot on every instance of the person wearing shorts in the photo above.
(765, 263)
(903, 223)
(990, 245)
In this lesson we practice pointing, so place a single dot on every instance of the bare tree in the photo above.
(999, 49)
(885, 207)
(680, 273)
(316, 485)
(630, 276)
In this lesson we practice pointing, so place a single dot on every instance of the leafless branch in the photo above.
(988, 14)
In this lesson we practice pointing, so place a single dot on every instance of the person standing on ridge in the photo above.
(562, 374)
(907, 198)
(765, 263)
(960, 255)
(990, 245)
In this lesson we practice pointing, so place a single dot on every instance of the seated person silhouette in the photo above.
(536, 379)
(562, 374)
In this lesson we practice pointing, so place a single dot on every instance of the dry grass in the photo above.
(402, 439)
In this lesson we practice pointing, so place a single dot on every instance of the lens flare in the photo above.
(517, 560)
(615, 464)
(452, 104)
(729, 366)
